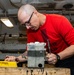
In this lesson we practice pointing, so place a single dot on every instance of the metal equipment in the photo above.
(36, 54)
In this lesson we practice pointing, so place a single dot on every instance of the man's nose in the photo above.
(28, 27)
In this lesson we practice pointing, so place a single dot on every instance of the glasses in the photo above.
(27, 23)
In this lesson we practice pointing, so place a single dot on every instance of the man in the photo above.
(49, 28)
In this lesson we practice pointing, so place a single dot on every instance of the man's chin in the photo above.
(34, 29)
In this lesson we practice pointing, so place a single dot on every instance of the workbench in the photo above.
(31, 71)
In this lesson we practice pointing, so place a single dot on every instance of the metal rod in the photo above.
(48, 46)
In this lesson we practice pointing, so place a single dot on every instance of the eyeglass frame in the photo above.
(28, 22)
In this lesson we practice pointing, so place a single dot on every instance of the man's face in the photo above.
(30, 22)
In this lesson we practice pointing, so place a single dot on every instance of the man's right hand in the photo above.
(10, 58)
(17, 59)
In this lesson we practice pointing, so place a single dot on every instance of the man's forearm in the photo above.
(68, 52)
(24, 54)
(22, 57)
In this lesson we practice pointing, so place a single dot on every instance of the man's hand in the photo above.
(17, 59)
(21, 59)
(10, 58)
(51, 58)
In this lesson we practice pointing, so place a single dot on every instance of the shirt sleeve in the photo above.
(66, 30)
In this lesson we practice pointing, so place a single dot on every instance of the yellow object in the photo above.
(8, 64)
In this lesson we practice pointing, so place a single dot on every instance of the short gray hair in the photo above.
(28, 9)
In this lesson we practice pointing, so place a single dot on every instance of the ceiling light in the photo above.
(7, 22)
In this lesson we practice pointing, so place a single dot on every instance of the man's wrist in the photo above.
(23, 56)
(58, 57)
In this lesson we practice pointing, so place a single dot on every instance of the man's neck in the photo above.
(42, 19)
